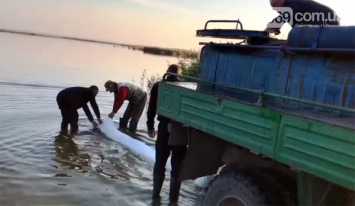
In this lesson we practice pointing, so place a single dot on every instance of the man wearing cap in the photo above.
(137, 99)
(73, 98)
(302, 10)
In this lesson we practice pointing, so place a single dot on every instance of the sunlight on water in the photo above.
(47, 61)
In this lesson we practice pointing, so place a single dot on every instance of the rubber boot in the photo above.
(157, 185)
(63, 133)
(74, 129)
(174, 190)
(123, 123)
(64, 128)
(133, 127)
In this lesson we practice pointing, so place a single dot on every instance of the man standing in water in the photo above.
(137, 99)
(73, 98)
(162, 147)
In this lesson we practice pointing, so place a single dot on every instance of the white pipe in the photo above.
(139, 148)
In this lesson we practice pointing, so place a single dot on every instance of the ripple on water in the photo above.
(88, 170)
(36, 170)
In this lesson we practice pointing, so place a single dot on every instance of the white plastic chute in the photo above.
(139, 148)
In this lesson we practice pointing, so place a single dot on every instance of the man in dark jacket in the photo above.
(73, 98)
(305, 13)
(162, 147)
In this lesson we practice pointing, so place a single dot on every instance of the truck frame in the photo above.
(263, 147)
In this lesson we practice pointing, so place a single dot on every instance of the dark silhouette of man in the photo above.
(73, 98)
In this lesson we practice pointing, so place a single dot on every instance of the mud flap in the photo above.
(203, 157)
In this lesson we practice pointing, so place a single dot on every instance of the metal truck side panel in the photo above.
(322, 149)
(319, 149)
(247, 126)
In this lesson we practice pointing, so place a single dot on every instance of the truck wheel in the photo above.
(233, 188)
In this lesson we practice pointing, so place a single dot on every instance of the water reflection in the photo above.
(88, 154)
(65, 147)
(68, 156)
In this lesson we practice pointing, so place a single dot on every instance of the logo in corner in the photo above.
(285, 16)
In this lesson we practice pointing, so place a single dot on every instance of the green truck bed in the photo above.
(320, 145)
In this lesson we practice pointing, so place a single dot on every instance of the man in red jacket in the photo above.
(137, 99)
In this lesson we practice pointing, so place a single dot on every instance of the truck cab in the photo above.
(271, 121)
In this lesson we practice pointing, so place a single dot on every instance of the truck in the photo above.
(271, 121)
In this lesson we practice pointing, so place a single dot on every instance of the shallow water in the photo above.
(91, 169)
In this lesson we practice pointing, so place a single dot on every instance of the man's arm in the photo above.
(275, 25)
(95, 107)
(122, 94)
(88, 113)
(152, 107)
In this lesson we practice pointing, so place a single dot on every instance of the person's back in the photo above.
(75, 97)
(304, 13)
(134, 93)
(136, 97)
(319, 14)
(69, 100)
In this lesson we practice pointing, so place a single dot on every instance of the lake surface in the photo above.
(91, 169)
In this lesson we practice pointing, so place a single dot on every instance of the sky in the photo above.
(163, 23)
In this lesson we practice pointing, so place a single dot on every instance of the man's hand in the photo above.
(99, 120)
(94, 124)
(151, 133)
(111, 115)
(273, 30)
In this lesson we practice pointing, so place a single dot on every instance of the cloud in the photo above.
(162, 5)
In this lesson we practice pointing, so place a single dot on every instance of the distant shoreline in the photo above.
(179, 53)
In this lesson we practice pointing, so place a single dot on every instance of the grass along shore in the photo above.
(179, 53)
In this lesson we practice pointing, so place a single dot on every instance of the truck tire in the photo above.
(233, 188)
(279, 189)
